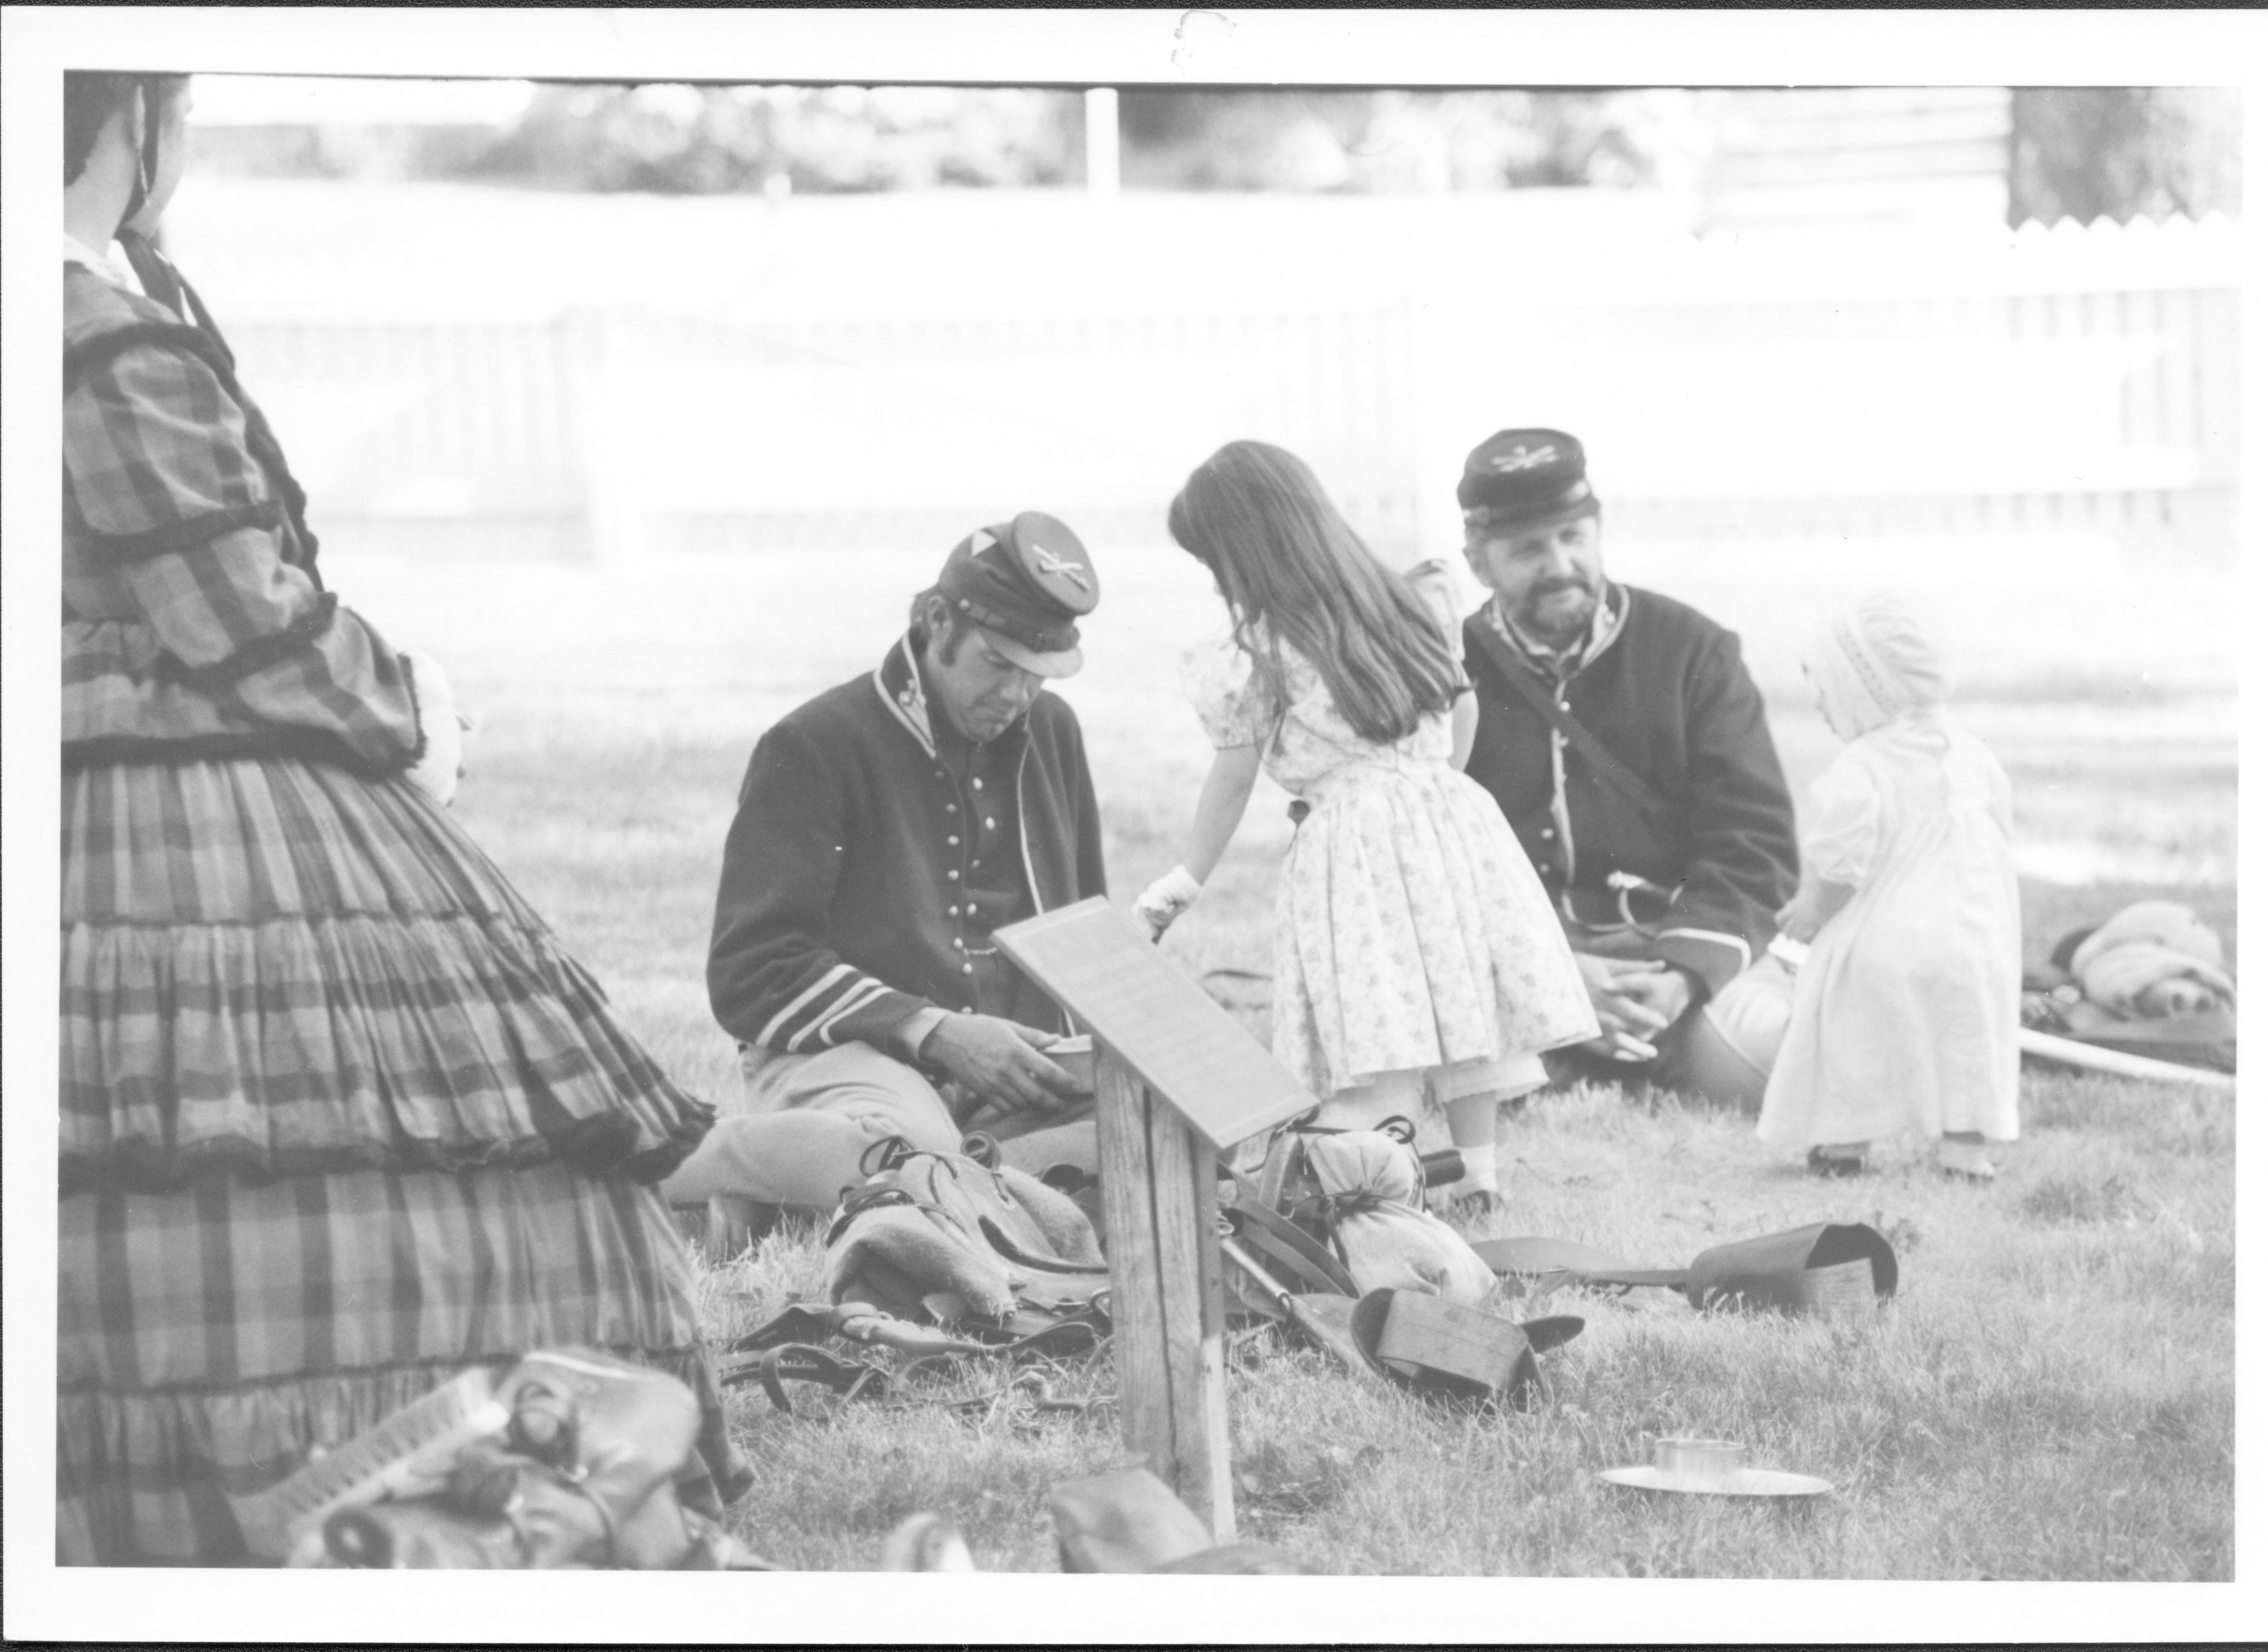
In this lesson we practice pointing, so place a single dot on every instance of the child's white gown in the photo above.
(1411, 931)
(1906, 1011)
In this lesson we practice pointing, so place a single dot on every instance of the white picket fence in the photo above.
(1727, 388)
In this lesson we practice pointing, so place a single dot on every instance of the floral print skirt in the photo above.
(1413, 932)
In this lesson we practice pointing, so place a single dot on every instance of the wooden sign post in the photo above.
(1166, 1307)
(1177, 1082)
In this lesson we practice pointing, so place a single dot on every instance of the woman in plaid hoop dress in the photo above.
(339, 1118)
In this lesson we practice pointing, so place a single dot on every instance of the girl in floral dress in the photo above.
(1416, 951)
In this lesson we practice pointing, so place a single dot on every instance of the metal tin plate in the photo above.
(1743, 1483)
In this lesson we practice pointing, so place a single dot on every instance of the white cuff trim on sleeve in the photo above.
(1713, 936)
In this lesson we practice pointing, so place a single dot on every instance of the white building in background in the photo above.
(1878, 156)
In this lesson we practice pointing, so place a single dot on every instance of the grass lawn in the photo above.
(2051, 1396)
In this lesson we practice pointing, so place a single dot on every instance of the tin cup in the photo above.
(1076, 1056)
(1700, 1462)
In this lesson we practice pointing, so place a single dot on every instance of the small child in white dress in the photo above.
(1906, 1008)
(1416, 951)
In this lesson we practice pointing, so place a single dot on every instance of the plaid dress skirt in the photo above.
(339, 1119)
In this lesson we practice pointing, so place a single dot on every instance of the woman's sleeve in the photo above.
(1845, 836)
(1231, 699)
(155, 456)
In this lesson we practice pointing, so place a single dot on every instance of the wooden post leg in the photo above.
(1196, 1364)
(1138, 1324)
(1158, 1203)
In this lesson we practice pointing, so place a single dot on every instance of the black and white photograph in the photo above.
(1444, 803)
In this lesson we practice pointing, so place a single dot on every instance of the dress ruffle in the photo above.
(281, 969)
(208, 1339)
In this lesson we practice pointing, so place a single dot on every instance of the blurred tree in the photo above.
(2123, 152)
(1371, 141)
(2074, 151)
(684, 139)
(677, 139)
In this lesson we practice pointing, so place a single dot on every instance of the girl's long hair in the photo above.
(1296, 574)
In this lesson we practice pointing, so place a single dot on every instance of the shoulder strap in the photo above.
(1295, 1256)
(165, 282)
(1611, 768)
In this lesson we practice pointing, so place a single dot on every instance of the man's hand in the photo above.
(1634, 1000)
(442, 766)
(1663, 989)
(1000, 1060)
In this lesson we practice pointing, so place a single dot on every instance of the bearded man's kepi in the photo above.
(1518, 479)
(1026, 582)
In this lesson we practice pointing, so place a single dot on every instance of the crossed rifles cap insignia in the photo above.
(1049, 562)
(1525, 458)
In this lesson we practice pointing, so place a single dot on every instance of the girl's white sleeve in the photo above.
(1435, 583)
(1844, 840)
(1230, 698)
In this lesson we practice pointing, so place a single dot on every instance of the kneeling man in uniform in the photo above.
(886, 829)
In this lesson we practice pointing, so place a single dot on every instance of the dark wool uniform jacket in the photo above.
(842, 898)
(1670, 699)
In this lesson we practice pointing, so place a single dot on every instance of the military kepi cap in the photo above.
(1026, 582)
(1525, 479)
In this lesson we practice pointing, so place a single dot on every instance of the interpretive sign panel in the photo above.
(1095, 960)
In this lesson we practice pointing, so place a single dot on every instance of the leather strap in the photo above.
(1394, 1125)
(800, 1362)
(1039, 1331)
(1029, 1329)
(802, 1322)
(1286, 1245)
(1325, 1321)
(1610, 767)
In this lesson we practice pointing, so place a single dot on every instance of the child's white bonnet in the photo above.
(1876, 661)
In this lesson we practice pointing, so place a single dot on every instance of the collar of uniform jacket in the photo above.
(898, 680)
(1559, 665)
